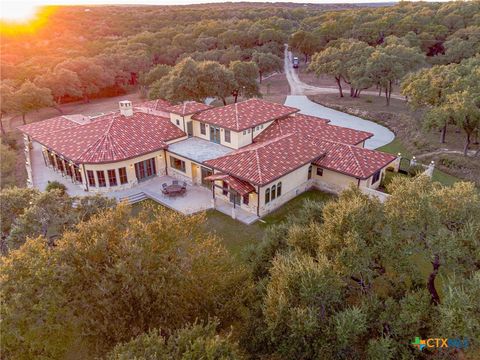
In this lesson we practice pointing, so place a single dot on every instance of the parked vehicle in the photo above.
(295, 62)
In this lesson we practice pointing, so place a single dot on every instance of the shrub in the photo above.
(415, 170)
(55, 185)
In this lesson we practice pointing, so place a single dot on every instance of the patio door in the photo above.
(206, 172)
(214, 134)
(234, 198)
(145, 169)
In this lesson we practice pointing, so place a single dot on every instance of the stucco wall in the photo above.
(237, 139)
(159, 157)
(293, 184)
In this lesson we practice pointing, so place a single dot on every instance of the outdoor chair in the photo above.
(175, 182)
(184, 185)
(164, 186)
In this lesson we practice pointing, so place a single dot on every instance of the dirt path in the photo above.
(448, 151)
(298, 87)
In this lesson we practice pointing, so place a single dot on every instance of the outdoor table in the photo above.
(174, 189)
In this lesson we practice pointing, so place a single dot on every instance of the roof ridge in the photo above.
(99, 139)
(236, 116)
(257, 157)
(356, 160)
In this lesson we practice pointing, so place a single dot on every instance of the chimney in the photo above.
(126, 108)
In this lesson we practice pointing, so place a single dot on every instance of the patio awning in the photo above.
(240, 186)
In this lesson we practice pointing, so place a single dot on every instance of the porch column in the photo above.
(213, 194)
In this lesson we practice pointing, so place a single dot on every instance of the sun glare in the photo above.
(22, 17)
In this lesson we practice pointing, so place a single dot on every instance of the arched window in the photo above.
(279, 189)
(267, 196)
(274, 192)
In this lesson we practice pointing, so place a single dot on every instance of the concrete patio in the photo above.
(197, 198)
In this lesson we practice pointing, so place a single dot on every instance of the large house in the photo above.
(255, 155)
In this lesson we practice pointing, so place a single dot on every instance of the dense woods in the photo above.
(351, 278)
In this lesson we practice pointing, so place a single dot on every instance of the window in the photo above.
(51, 161)
(145, 169)
(60, 164)
(68, 169)
(258, 128)
(319, 171)
(227, 136)
(267, 196)
(112, 177)
(376, 177)
(203, 129)
(310, 172)
(91, 178)
(244, 132)
(225, 188)
(274, 192)
(279, 189)
(246, 198)
(122, 172)
(178, 122)
(78, 175)
(101, 178)
(177, 164)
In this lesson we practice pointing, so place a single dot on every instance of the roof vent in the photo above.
(126, 108)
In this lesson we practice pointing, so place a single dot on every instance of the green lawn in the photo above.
(237, 236)
(396, 147)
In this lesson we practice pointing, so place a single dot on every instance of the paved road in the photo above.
(298, 99)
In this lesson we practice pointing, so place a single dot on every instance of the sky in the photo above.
(22, 10)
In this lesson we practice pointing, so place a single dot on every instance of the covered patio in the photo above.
(195, 199)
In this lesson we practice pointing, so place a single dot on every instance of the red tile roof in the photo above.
(261, 163)
(244, 115)
(313, 127)
(45, 127)
(240, 186)
(158, 105)
(353, 160)
(109, 138)
(188, 108)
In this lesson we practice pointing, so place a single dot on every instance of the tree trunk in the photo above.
(379, 90)
(444, 132)
(337, 79)
(235, 96)
(467, 144)
(23, 119)
(352, 92)
(1, 125)
(388, 92)
(260, 73)
(224, 101)
(306, 57)
(431, 281)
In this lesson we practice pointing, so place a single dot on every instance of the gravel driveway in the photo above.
(298, 89)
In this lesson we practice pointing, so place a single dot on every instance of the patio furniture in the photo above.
(164, 185)
(175, 182)
(184, 185)
(174, 190)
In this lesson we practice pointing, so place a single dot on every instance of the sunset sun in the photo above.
(22, 17)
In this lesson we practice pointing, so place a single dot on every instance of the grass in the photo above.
(236, 236)
(395, 147)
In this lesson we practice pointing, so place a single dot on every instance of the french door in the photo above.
(145, 169)
(214, 134)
